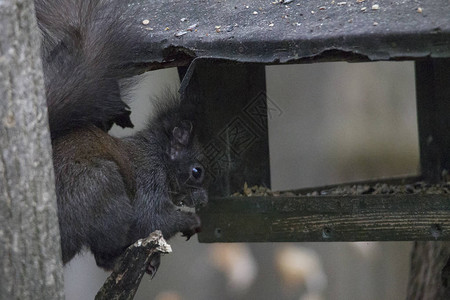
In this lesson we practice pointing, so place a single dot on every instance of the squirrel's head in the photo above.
(187, 174)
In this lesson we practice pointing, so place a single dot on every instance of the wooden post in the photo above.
(233, 122)
(433, 114)
(429, 259)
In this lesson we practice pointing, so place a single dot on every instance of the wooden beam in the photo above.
(326, 218)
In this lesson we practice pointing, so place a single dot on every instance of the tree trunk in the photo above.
(30, 260)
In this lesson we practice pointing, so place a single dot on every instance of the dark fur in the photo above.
(84, 43)
(111, 191)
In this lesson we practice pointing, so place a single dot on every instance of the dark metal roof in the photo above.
(268, 31)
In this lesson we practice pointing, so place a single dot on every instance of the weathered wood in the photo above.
(326, 218)
(30, 253)
(232, 107)
(124, 281)
(264, 31)
(433, 113)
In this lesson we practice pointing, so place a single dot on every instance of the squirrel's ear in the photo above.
(182, 133)
(181, 136)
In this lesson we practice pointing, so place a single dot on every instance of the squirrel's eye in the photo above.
(197, 172)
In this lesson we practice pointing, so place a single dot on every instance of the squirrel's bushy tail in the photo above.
(85, 43)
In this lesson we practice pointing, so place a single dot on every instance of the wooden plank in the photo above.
(300, 31)
(326, 218)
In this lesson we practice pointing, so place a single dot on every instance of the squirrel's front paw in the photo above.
(193, 227)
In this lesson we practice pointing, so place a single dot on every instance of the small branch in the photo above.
(125, 279)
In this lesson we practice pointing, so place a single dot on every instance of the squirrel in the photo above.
(110, 191)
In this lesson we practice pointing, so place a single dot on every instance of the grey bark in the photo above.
(30, 260)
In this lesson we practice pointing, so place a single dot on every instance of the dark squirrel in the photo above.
(111, 192)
